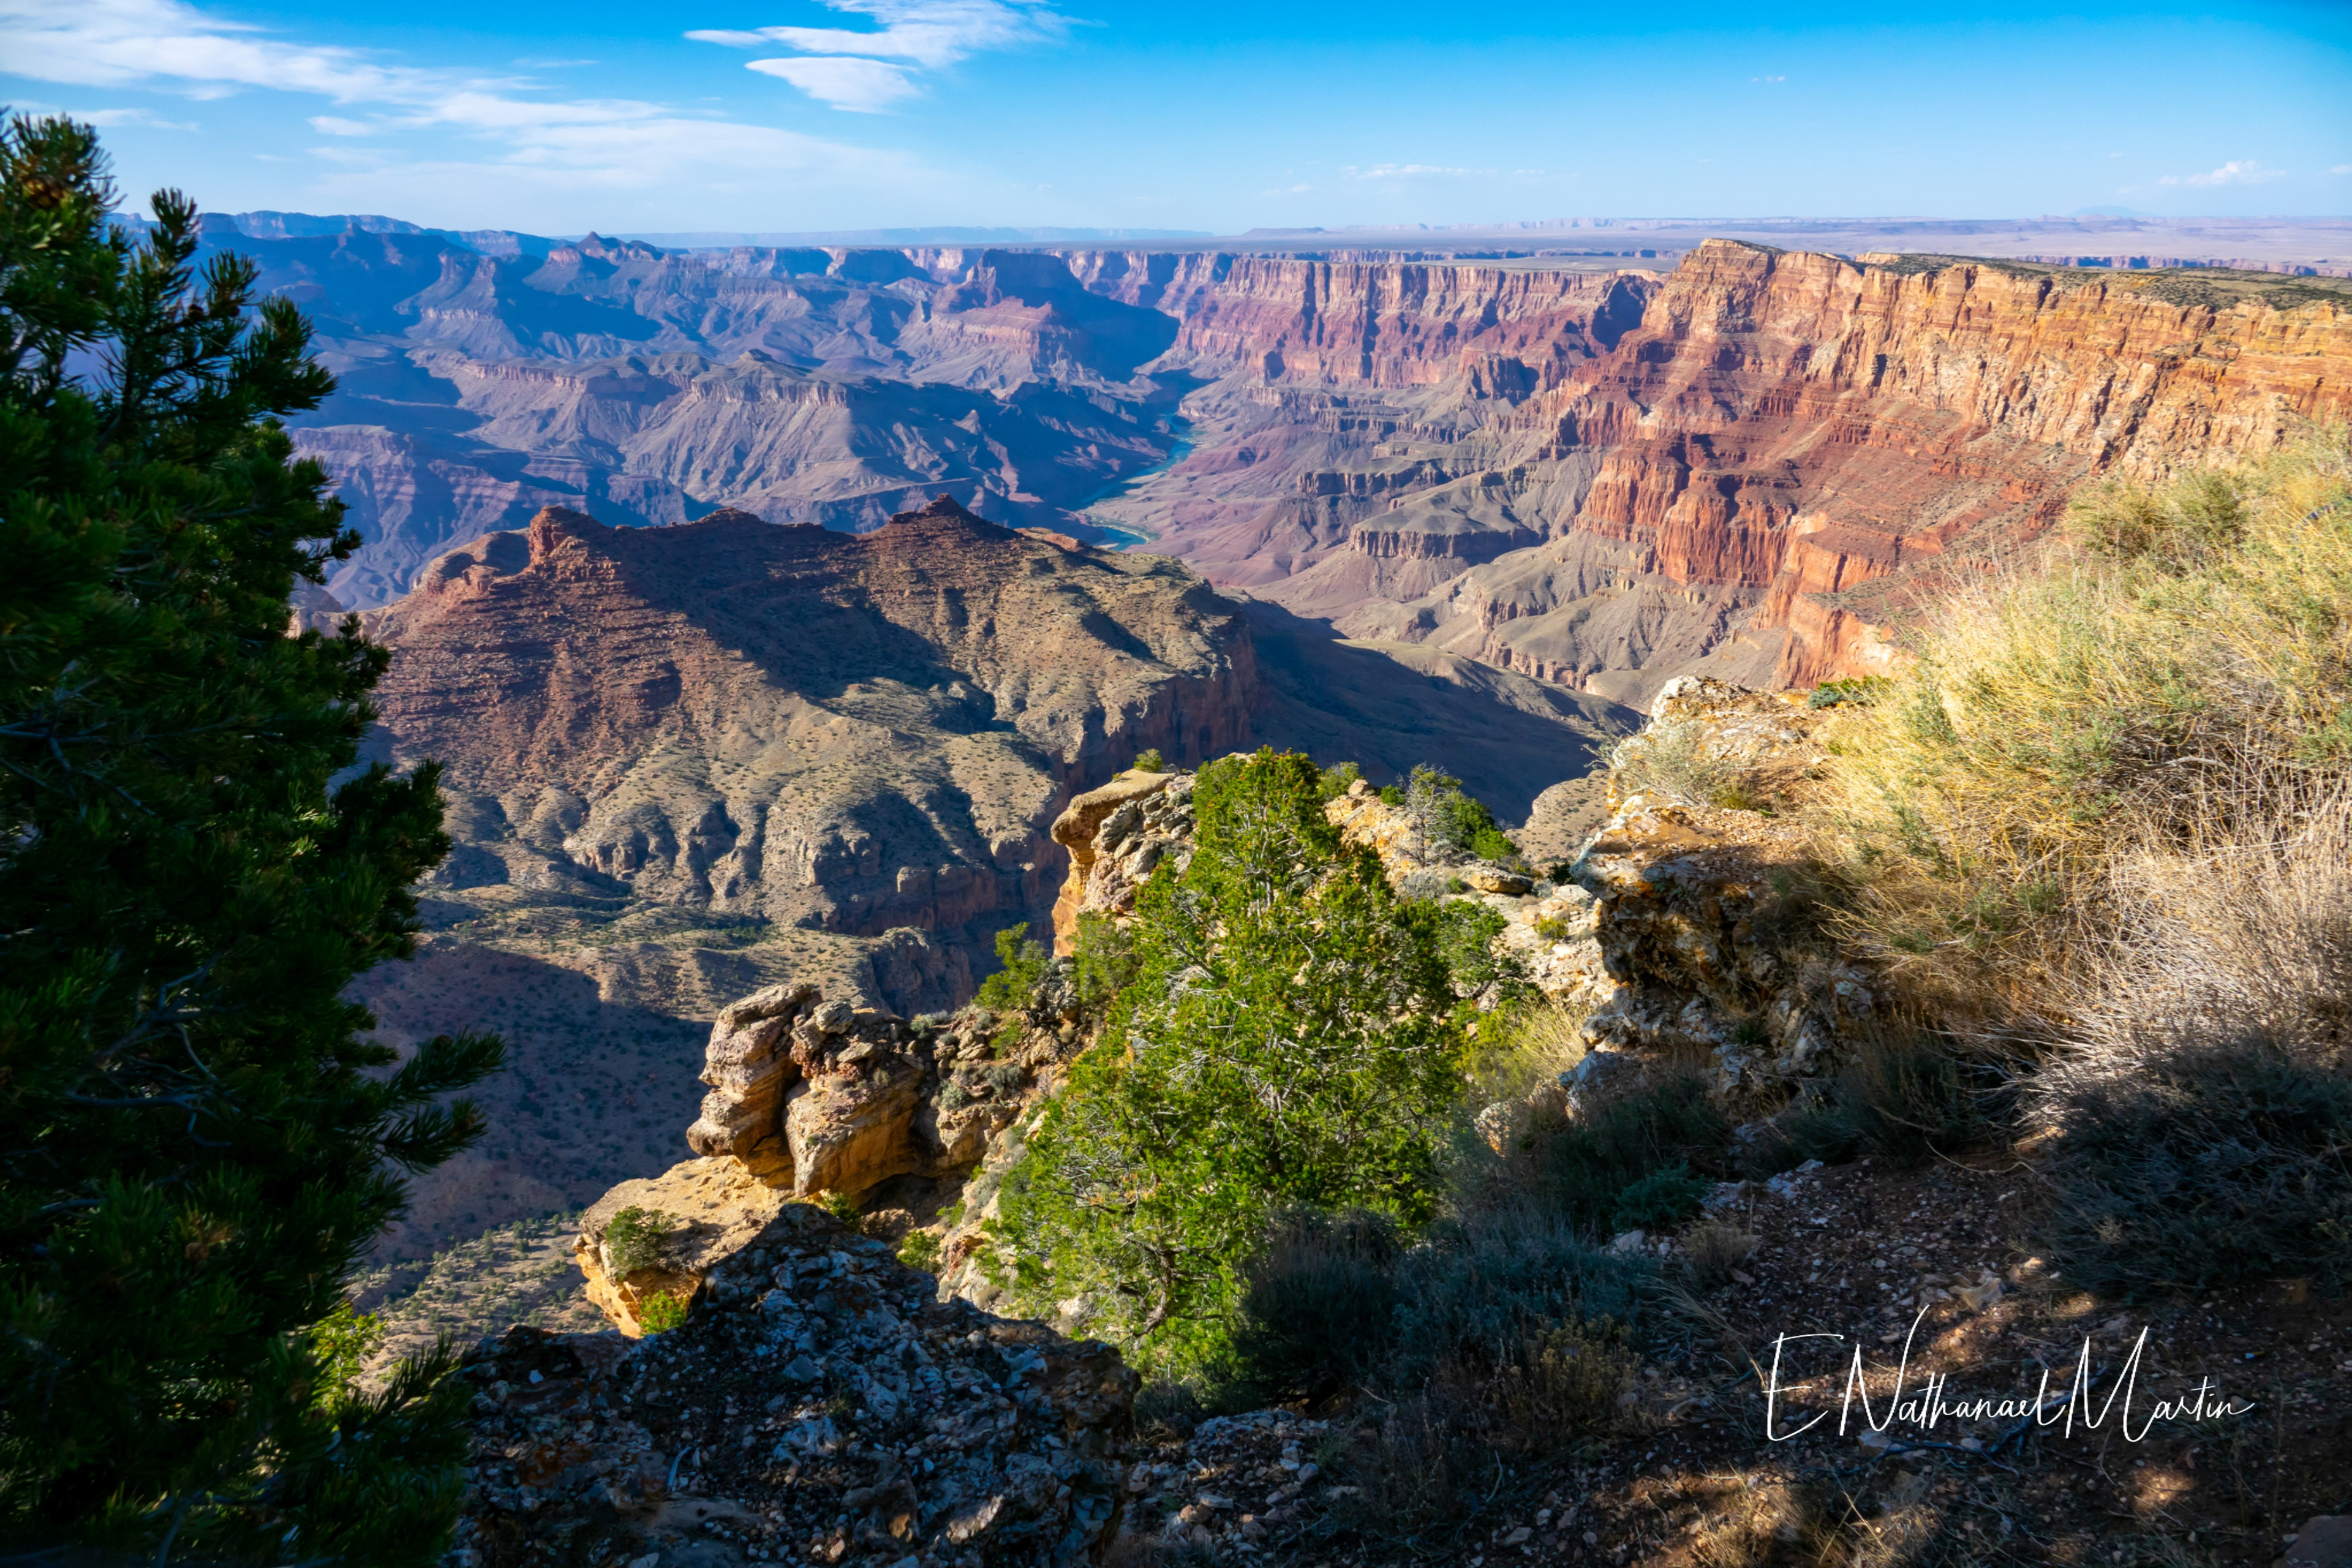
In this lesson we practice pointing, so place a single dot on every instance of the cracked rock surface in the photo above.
(819, 1406)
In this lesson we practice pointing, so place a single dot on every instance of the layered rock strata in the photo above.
(1756, 479)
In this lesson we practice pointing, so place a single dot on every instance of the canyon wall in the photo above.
(1767, 469)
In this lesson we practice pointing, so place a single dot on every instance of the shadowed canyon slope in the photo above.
(684, 763)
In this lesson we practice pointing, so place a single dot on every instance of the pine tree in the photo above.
(197, 1143)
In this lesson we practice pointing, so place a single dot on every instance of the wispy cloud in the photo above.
(102, 118)
(863, 87)
(2341, 169)
(2236, 172)
(528, 141)
(1409, 172)
(861, 71)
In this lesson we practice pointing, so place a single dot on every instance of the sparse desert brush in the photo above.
(1679, 761)
(2185, 657)
(2202, 1105)
(1713, 1247)
(635, 1238)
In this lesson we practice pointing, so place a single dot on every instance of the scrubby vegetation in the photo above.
(635, 1240)
(1021, 965)
(1673, 761)
(1444, 814)
(2109, 815)
(2163, 684)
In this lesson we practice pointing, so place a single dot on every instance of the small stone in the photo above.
(2324, 1541)
(1518, 1537)
(539, 1377)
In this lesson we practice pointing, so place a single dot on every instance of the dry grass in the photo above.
(1683, 761)
(2202, 1102)
(1712, 1249)
(1533, 1048)
(2186, 658)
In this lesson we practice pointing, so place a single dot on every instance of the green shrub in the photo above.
(920, 1249)
(1102, 962)
(1493, 844)
(1150, 762)
(1278, 957)
(1391, 794)
(1551, 928)
(953, 1095)
(635, 1240)
(844, 1209)
(1447, 818)
(1660, 1201)
(1021, 965)
(1338, 779)
(658, 1314)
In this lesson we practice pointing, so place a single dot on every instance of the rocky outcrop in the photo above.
(822, 1096)
(709, 1209)
(1703, 901)
(1115, 836)
(820, 1406)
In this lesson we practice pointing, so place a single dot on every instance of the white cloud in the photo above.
(2236, 172)
(864, 87)
(119, 43)
(531, 145)
(103, 118)
(2341, 169)
(1409, 172)
(843, 67)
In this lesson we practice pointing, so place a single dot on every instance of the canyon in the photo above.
(1472, 512)
(1745, 463)
(684, 763)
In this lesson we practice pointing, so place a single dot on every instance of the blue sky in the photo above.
(778, 115)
